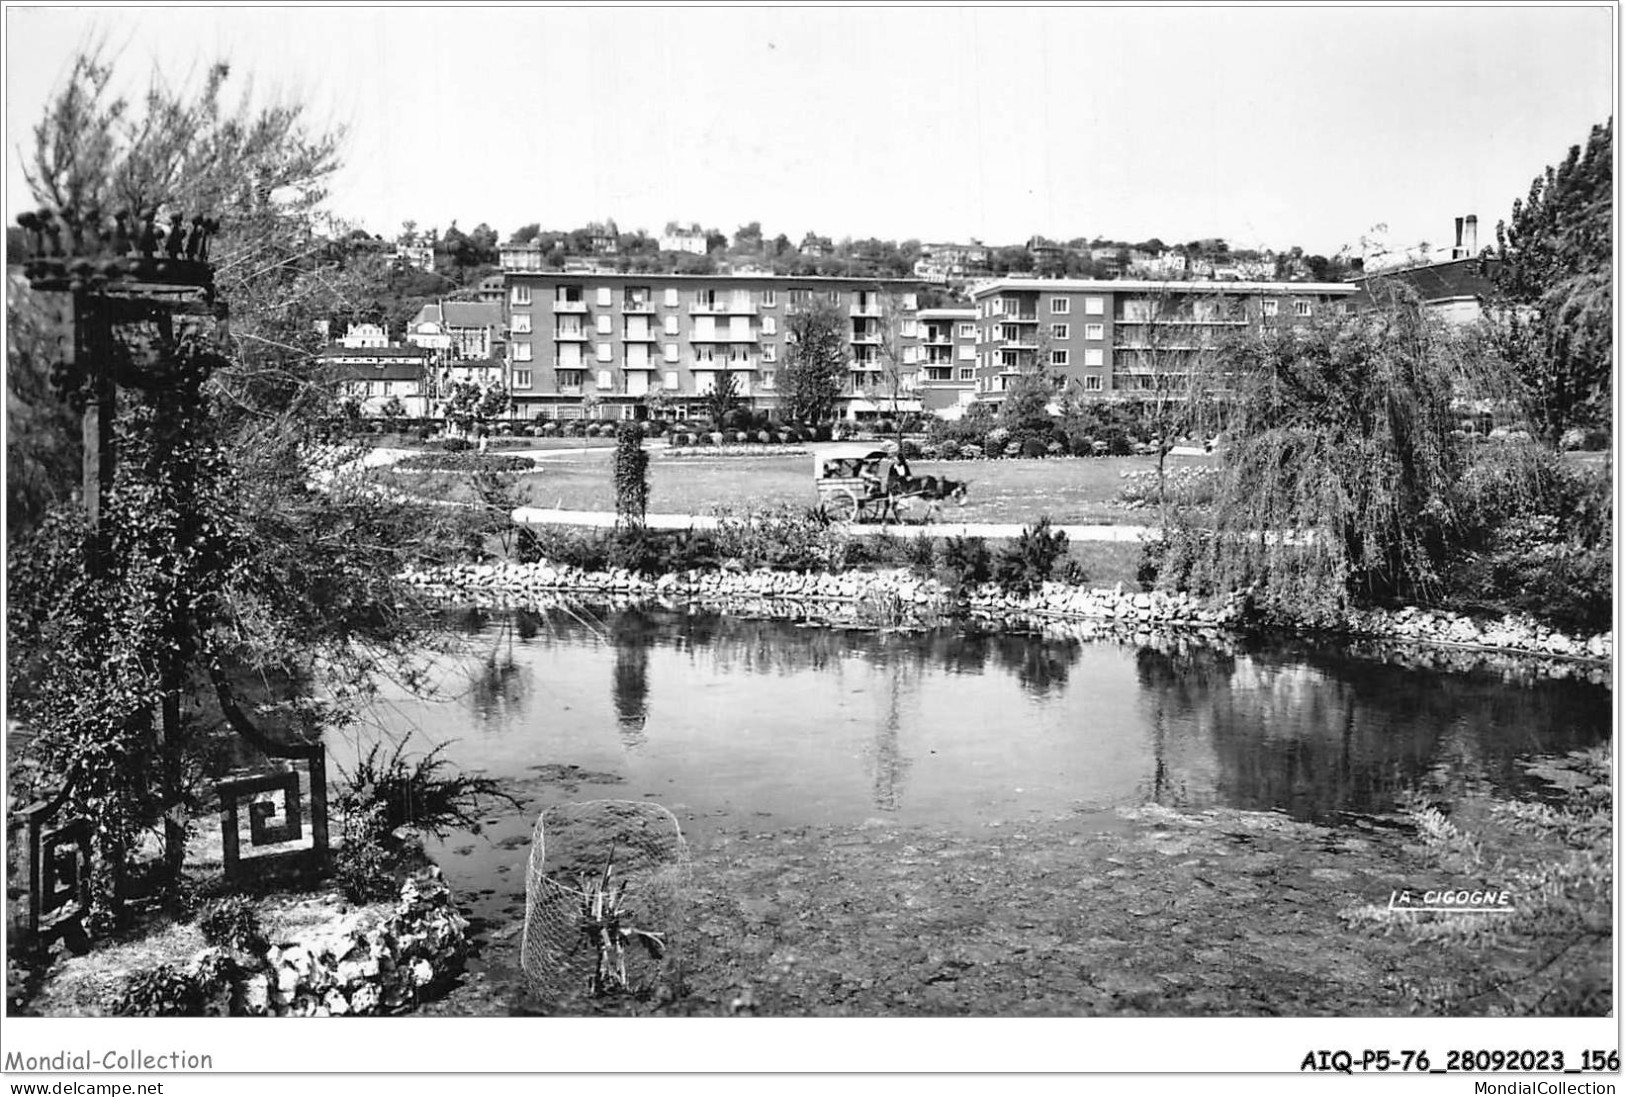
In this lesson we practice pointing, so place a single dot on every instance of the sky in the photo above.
(1269, 126)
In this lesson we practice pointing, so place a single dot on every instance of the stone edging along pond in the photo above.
(899, 594)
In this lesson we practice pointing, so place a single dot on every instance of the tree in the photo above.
(722, 397)
(1173, 363)
(748, 240)
(631, 475)
(1342, 482)
(816, 364)
(227, 584)
(1553, 267)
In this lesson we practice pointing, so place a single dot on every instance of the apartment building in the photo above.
(1117, 337)
(947, 358)
(602, 344)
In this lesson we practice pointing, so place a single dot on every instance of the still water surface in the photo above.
(767, 720)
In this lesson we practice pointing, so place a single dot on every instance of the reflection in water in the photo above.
(890, 765)
(1309, 730)
(501, 683)
(632, 635)
(941, 723)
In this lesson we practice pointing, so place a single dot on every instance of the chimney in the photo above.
(1466, 237)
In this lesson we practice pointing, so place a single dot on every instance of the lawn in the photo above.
(1070, 491)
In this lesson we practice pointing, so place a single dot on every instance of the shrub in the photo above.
(949, 449)
(921, 554)
(765, 437)
(1011, 449)
(1037, 447)
(995, 439)
(1030, 559)
(232, 922)
(966, 562)
(785, 537)
(715, 437)
(162, 991)
(418, 794)
(456, 445)
(909, 450)
(1055, 449)
(970, 452)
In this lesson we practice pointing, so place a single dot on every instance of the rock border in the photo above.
(894, 595)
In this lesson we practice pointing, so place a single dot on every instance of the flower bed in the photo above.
(465, 462)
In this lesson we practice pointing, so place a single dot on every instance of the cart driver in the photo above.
(892, 475)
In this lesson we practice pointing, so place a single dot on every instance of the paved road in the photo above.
(547, 516)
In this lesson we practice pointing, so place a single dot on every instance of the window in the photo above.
(1303, 308)
(770, 352)
(770, 379)
(834, 296)
(967, 331)
(770, 298)
(1094, 306)
(603, 323)
(967, 373)
(1091, 383)
(1058, 357)
(908, 329)
(1007, 359)
(603, 297)
(1060, 331)
(521, 323)
(1271, 306)
(521, 378)
(603, 352)
(1094, 331)
(671, 324)
(635, 299)
(770, 325)
(795, 297)
(671, 297)
(1059, 305)
(1094, 356)
(521, 352)
(520, 295)
(911, 301)
(569, 378)
(671, 378)
(671, 352)
(967, 353)
(605, 380)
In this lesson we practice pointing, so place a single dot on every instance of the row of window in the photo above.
(574, 378)
(637, 327)
(642, 297)
(605, 352)
(1136, 309)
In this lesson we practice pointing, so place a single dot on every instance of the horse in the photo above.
(934, 490)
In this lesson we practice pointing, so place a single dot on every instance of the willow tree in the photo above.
(1341, 483)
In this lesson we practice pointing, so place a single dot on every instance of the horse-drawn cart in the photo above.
(862, 483)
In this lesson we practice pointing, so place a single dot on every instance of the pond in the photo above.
(770, 724)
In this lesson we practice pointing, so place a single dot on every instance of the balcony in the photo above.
(647, 335)
(742, 364)
(866, 339)
(571, 335)
(647, 364)
(864, 310)
(570, 390)
(638, 308)
(579, 307)
(721, 308)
